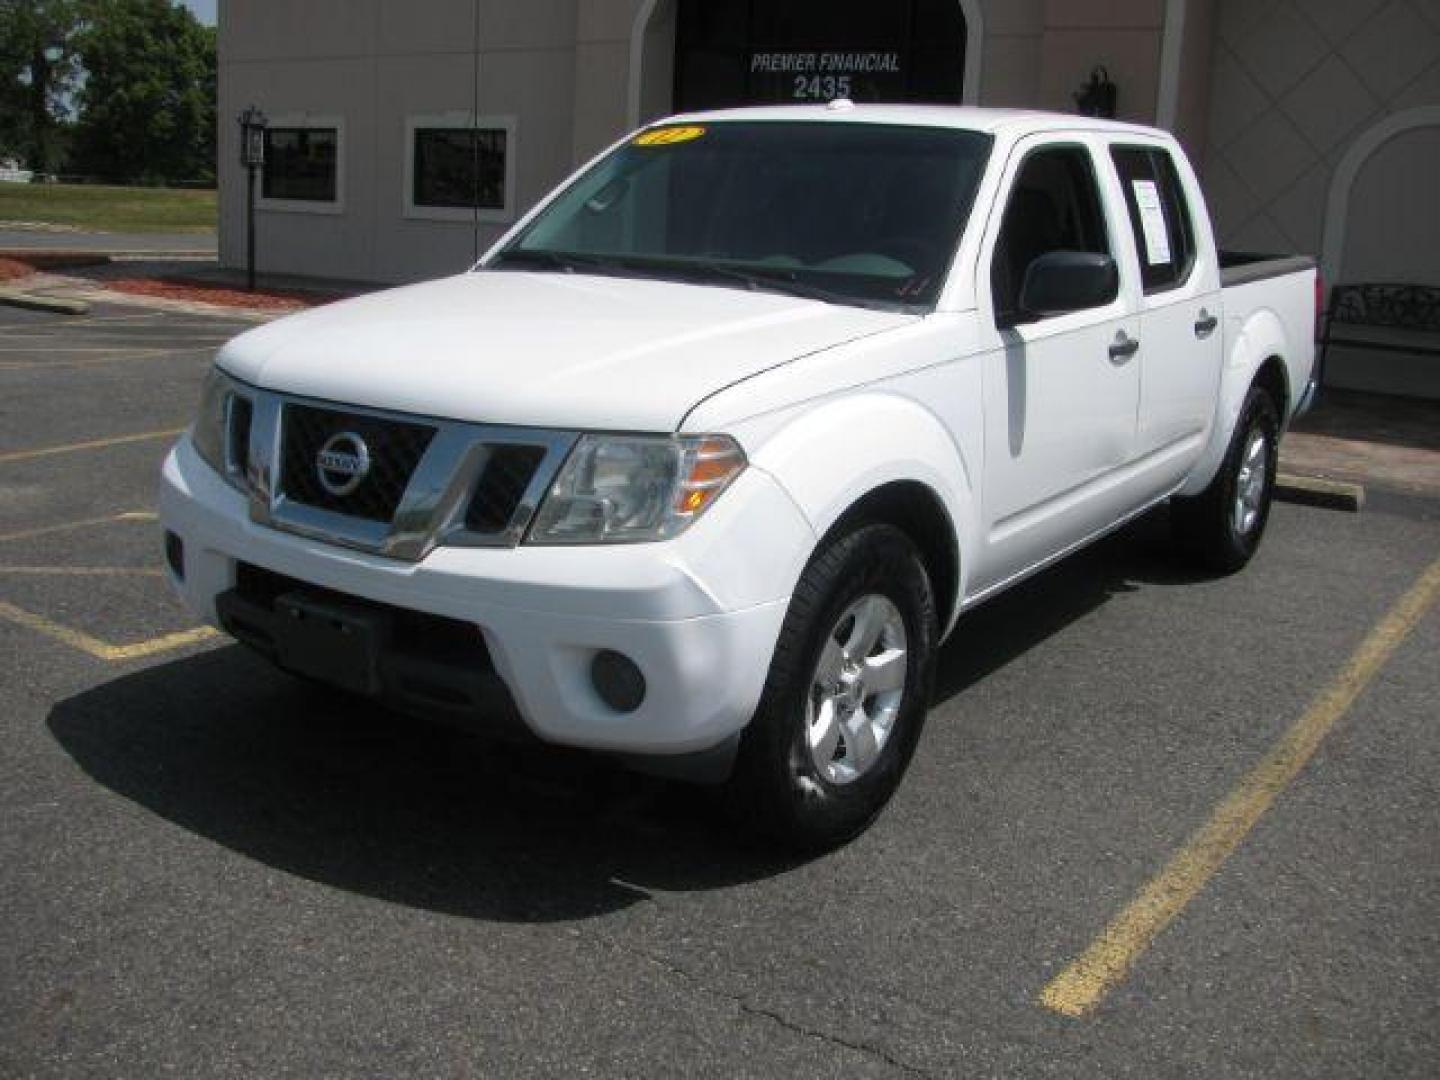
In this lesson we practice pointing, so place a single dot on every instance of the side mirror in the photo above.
(1061, 281)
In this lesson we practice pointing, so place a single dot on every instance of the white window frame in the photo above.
(459, 121)
(309, 121)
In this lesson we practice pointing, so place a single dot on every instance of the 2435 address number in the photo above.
(820, 87)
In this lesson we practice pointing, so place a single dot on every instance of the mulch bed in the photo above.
(13, 269)
(173, 288)
(180, 289)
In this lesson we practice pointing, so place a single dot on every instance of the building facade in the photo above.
(404, 137)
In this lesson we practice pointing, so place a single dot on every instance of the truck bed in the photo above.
(1241, 267)
(1254, 297)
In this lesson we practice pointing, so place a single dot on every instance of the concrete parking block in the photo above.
(16, 298)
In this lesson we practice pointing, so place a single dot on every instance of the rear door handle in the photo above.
(1206, 324)
(1123, 347)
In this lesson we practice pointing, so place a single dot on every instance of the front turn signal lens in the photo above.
(711, 463)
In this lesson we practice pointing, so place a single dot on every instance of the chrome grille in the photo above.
(239, 415)
(395, 446)
(507, 473)
(429, 481)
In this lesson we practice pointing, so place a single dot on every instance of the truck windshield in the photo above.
(849, 213)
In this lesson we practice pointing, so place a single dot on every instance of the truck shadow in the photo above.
(991, 635)
(336, 792)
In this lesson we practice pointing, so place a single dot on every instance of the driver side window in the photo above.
(1054, 206)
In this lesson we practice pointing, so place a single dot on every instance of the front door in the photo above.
(1061, 392)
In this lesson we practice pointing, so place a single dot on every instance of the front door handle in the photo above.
(1205, 325)
(1123, 347)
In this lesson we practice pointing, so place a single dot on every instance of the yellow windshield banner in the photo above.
(669, 136)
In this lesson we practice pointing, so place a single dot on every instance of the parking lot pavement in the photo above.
(212, 871)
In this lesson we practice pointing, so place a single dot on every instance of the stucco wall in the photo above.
(375, 63)
(1270, 94)
(1293, 86)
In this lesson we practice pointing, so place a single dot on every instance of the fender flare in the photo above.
(1261, 338)
(844, 448)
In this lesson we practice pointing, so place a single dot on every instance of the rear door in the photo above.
(1061, 391)
(1181, 338)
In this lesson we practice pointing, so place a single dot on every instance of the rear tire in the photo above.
(1221, 527)
(845, 699)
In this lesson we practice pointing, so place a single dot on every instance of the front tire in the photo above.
(1222, 526)
(845, 699)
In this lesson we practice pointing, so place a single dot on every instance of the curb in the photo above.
(194, 307)
(1320, 491)
(43, 303)
(52, 257)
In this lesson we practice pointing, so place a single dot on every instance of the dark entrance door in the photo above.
(753, 52)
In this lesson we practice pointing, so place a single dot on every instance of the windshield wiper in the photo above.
(565, 261)
(768, 279)
(787, 282)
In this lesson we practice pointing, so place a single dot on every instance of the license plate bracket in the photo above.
(334, 642)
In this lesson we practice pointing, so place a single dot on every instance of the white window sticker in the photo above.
(1152, 222)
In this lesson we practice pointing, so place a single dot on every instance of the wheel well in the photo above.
(917, 511)
(1275, 381)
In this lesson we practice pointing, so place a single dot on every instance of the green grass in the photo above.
(109, 209)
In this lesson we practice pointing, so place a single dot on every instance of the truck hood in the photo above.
(542, 349)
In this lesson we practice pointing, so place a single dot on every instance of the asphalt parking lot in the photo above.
(211, 871)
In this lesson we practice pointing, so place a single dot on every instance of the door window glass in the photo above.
(1054, 205)
(1159, 217)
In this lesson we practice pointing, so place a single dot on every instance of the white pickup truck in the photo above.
(706, 456)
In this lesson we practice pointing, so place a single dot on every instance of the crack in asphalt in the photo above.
(746, 1007)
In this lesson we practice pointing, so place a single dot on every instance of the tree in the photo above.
(37, 73)
(147, 106)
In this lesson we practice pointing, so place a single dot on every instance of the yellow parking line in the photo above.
(84, 571)
(1084, 983)
(45, 530)
(93, 444)
(103, 650)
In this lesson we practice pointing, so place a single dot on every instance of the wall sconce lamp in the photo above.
(1097, 96)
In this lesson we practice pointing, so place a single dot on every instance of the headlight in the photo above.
(623, 488)
(221, 432)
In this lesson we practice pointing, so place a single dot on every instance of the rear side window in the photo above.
(1159, 216)
(1054, 206)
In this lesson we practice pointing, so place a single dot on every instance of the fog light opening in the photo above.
(617, 680)
(175, 554)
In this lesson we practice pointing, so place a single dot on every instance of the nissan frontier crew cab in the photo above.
(706, 456)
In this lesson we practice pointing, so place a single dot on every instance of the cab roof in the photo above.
(962, 117)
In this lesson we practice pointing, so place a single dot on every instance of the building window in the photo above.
(459, 169)
(300, 164)
(303, 164)
(454, 167)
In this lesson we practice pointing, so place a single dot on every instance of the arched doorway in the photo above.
(696, 54)
(1381, 221)
(1393, 228)
(1382, 224)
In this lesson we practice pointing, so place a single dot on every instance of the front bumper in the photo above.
(699, 615)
